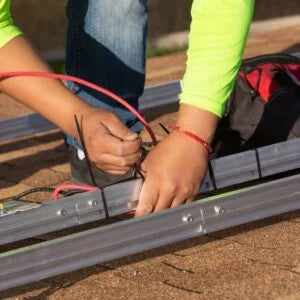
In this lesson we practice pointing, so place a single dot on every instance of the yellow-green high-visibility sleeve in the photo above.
(8, 30)
(218, 34)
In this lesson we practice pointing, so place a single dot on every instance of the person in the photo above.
(103, 130)
(106, 45)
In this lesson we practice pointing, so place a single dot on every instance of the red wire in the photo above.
(72, 187)
(87, 84)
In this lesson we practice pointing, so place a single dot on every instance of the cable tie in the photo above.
(79, 128)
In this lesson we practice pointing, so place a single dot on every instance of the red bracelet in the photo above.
(193, 136)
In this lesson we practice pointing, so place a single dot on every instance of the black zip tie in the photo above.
(164, 128)
(89, 165)
(137, 170)
(258, 164)
(212, 175)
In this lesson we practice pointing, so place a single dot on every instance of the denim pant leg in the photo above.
(106, 41)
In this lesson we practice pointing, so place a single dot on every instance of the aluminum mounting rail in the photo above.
(124, 238)
(153, 98)
(22, 220)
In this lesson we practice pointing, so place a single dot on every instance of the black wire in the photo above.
(43, 189)
(89, 165)
(66, 193)
(34, 190)
(72, 192)
(137, 170)
(258, 164)
(80, 133)
(212, 175)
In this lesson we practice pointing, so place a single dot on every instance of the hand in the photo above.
(111, 146)
(174, 170)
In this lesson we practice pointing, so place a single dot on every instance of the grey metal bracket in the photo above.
(98, 245)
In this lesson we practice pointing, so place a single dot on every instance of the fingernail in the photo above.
(144, 209)
(133, 136)
(132, 204)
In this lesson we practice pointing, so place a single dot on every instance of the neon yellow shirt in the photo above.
(218, 34)
(8, 30)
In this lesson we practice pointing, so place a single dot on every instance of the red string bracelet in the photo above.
(194, 137)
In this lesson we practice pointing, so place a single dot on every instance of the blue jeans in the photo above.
(106, 42)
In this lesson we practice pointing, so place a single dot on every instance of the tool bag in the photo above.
(264, 107)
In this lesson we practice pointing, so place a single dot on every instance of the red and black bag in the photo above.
(264, 107)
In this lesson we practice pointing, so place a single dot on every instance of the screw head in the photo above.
(219, 210)
(62, 212)
(93, 203)
(187, 219)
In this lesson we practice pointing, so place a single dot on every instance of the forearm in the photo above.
(218, 34)
(49, 97)
(198, 121)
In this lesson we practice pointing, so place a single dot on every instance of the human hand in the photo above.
(174, 170)
(111, 146)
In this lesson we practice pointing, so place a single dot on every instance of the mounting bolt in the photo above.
(187, 219)
(93, 203)
(62, 212)
(219, 210)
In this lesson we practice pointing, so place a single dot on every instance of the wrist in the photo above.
(81, 111)
(197, 121)
(193, 136)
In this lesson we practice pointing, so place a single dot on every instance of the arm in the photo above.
(48, 97)
(111, 146)
(177, 166)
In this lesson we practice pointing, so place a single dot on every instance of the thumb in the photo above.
(118, 129)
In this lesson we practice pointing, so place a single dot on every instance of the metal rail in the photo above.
(23, 220)
(98, 245)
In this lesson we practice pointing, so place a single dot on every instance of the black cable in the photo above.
(43, 189)
(80, 133)
(212, 175)
(89, 165)
(34, 190)
(137, 170)
(258, 164)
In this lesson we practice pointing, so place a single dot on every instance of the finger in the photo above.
(179, 201)
(126, 148)
(118, 129)
(117, 147)
(114, 172)
(143, 167)
(117, 161)
(147, 200)
(190, 200)
(166, 197)
(163, 202)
